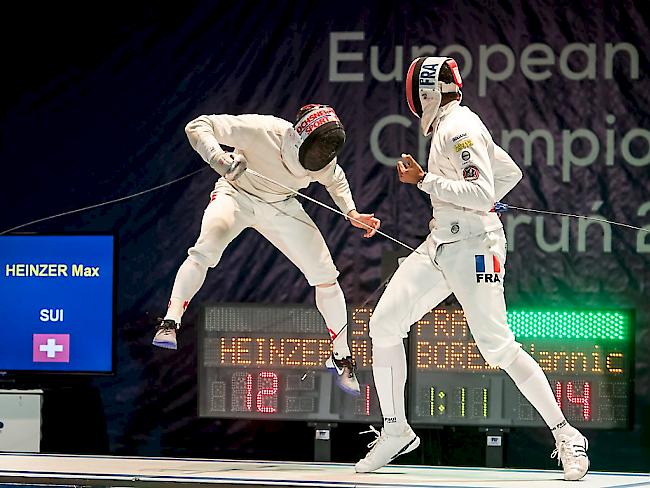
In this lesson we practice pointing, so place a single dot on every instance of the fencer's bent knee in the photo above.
(383, 331)
(385, 340)
(322, 275)
(211, 243)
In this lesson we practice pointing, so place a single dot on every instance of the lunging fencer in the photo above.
(296, 155)
(464, 254)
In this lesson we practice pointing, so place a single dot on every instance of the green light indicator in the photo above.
(569, 324)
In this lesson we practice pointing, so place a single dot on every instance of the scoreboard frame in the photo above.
(359, 329)
(317, 373)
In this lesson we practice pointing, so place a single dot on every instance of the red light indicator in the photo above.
(367, 399)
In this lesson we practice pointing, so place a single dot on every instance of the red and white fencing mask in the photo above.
(424, 89)
(321, 136)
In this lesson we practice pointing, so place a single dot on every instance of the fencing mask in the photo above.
(321, 136)
(424, 88)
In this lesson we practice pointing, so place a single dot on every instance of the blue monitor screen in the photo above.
(56, 295)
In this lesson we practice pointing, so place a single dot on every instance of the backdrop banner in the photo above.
(98, 112)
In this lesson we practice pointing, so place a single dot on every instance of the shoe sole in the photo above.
(411, 446)
(165, 345)
(351, 391)
(578, 479)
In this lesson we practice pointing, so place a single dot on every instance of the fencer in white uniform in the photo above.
(294, 155)
(464, 254)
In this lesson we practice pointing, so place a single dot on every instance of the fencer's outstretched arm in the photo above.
(336, 183)
(506, 173)
(476, 190)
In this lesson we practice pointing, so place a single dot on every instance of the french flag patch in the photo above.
(484, 275)
(480, 263)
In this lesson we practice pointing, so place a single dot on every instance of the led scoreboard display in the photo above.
(268, 362)
(587, 356)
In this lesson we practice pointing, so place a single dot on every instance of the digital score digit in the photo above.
(268, 362)
(587, 356)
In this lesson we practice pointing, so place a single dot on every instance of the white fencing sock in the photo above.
(331, 304)
(532, 383)
(189, 279)
(389, 371)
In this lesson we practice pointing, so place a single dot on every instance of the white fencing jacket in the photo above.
(270, 147)
(467, 173)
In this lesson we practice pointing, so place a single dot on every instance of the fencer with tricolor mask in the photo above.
(466, 174)
(464, 254)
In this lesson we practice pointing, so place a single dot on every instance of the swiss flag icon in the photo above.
(51, 348)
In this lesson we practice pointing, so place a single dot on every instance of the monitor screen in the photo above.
(57, 294)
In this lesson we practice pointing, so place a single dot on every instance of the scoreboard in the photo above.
(586, 355)
(268, 362)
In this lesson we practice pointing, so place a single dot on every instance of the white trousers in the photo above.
(285, 224)
(473, 270)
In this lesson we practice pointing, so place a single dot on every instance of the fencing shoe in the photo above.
(386, 448)
(571, 453)
(166, 334)
(347, 373)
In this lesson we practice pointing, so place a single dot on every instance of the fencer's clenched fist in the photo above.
(229, 165)
(409, 171)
